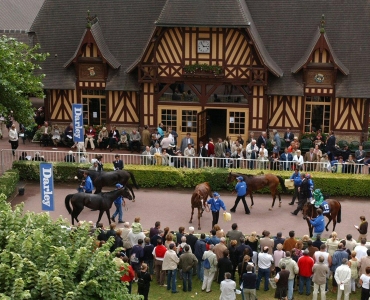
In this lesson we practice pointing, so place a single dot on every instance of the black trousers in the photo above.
(296, 194)
(238, 198)
(215, 216)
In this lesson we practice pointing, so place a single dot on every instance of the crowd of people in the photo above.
(232, 260)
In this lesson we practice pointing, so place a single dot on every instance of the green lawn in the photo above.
(158, 292)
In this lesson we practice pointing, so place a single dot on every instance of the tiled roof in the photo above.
(125, 26)
(18, 14)
(203, 13)
(103, 47)
(298, 66)
(287, 27)
(282, 32)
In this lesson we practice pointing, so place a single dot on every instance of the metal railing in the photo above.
(7, 158)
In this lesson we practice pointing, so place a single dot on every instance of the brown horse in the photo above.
(201, 192)
(335, 213)
(258, 182)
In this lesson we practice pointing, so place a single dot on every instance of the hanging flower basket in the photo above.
(203, 70)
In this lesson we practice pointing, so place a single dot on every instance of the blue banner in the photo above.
(47, 186)
(78, 123)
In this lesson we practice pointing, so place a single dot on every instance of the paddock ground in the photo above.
(172, 208)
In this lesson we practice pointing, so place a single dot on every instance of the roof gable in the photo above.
(94, 34)
(320, 41)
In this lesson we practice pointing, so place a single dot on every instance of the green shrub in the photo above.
(161, 176)
(8, 182)
(41, 259)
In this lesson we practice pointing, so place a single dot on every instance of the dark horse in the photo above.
(201, 192)
(101, 178)
(334, 214)
(257, 182)
(102, 202)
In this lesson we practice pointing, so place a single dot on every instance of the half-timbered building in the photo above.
(245, 65)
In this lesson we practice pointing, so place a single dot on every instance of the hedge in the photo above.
(168, 177)
(8, 182)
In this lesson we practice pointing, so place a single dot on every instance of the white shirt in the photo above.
(365, 281)
(265, 260)
(298, 160)
(360, 251)
(317, 255)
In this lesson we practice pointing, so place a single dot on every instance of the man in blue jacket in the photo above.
(318, 223)
(88, 187)
(241, 191)
(216, 204)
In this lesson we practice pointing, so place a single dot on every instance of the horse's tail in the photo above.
(282, 183)
(339, 215)
(66, 202)
(133, 180)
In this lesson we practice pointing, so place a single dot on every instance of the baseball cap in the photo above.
(119, 186)
(240, 178)
(216, 194)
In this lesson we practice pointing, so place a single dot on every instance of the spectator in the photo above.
(298, 160)
(209, 273)
(148, 256)
(305, 265)
(278, 255)
(90, 137)
(293, 269)
(249, 283)
(224, 265)
(234, 234)
(70, 157)
(135, 141)
(365, 284)
(337, 258)
(343, 279)
(144, 279)
(281, 280)
(289, 243)
(55, 135)
(158, 253)
(147, 157)
(187, 262)
(146, 136)
(267, 241)
(364, 262)
(265, 260)
(170, 262)
(113, 138)
(103, 138)
(278, 240)
(118, 163)
(199, 249)
(38, 157)
(68, 135)
(332, 243)
(317, 242)
(354, 266)
(23, 156)
(320, 274)
(350, 242)
(13, 138)
(45, 134)
(154, 230)
(361, 249)
(129, 275)
(227, 288)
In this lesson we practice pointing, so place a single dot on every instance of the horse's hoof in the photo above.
(270, 208)
(190, 221)
(199, 228)
(133, 200)
(279, 204)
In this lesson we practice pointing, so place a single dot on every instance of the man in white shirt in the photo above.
(189, 152)
(252, 153)
(343, 278)
(361, 249)
(265, 261)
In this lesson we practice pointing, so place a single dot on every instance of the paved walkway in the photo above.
(172, 208)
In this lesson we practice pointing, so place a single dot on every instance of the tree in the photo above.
(19, 64)
(42, 259)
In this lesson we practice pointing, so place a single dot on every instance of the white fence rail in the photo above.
(7, 159)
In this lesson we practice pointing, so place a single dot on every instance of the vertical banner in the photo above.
(47, 186)
(78, 128)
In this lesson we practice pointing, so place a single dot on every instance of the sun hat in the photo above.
(215, 194)
(119, 186)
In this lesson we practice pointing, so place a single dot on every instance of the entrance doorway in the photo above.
(217, 123)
